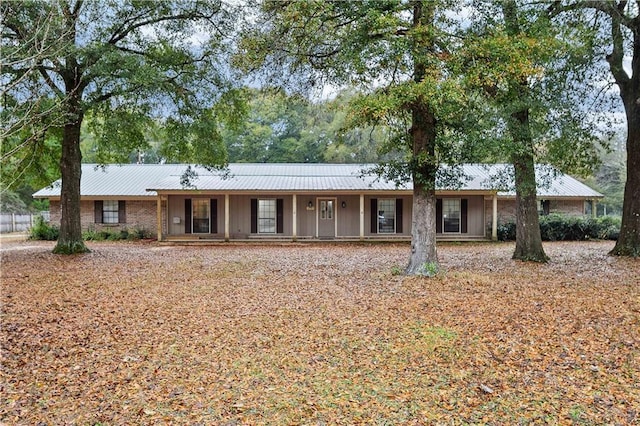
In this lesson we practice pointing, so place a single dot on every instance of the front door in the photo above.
(326, 217)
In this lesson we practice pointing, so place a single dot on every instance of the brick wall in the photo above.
(570, 207)
(141, 214)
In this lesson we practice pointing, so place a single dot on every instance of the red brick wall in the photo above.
(141, 214)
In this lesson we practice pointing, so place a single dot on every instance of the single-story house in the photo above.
(297, 201)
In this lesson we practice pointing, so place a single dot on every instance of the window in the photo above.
(588, 207)
(267, 216)
(110, 211)
(200, 216)
(451, 214)
(387, 216)
(326, 209)
(545, 207)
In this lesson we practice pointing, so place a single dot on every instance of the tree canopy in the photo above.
(123, 63)
(620, 20)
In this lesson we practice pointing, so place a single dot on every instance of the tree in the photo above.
(279, 128)
(290, 128)
(395, 53)
(513, 54)
(623, 26)
(119, 61)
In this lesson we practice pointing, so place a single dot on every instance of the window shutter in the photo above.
(279, 216)
(214, 216)
(546, 207)
(374, 215)
(439, 216)
(97, 211)
(122, 211)
(399, 215)
(463, 215)
(187, 216)
(254, 216)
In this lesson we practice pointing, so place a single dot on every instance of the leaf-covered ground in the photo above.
(317, 334)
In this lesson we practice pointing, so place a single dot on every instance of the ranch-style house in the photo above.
(298, 202)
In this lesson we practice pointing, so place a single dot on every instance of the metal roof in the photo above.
(144, 180)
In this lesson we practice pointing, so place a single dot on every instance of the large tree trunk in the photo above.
(528, 238)
(70, 239)
(628, 243)
(424, 258)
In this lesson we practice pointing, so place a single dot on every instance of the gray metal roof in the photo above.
(143, 180)
(127, 180)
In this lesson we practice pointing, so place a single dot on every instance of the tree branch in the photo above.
(123, 31)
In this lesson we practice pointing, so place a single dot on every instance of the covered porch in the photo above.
(214, 217)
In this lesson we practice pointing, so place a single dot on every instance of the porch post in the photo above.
(226, 217)
(494, 218)
(594, 208)
(294, 214)
(362, 217)
(159, 216)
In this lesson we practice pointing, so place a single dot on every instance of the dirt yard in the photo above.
(317, 334)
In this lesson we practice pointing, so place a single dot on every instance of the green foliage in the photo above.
(506, 231)
(70, 247)
(284, 127)
(556, 227)
(28, 159)
(515, 61)
(41, 230)
(429, 269)
(10, 202)
(396, 270)
(115, 235)
(117, 133)
(610, 178)
(397, 55)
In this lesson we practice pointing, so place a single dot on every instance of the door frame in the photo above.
(335, 215)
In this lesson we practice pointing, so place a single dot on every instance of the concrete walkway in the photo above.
(13, 236)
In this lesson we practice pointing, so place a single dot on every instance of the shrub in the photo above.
(507, 231)
(41, 230)
(114, 235)
(609, 227)
(139, 234)
(557, 227)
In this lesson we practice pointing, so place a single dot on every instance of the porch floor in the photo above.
(211, 240)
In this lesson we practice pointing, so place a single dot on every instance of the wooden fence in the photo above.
(19, 222)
